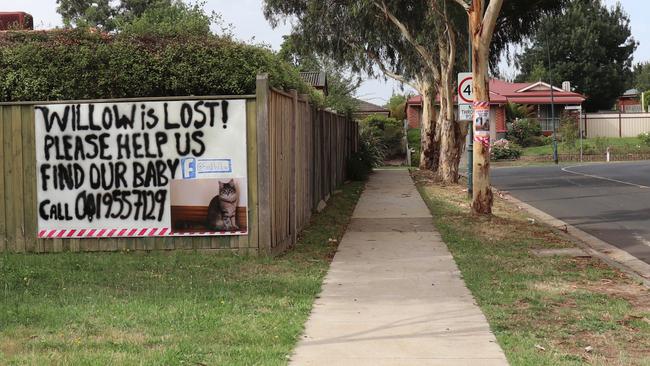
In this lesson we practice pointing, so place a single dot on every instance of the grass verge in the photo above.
(543, 310)
(598, 145)
(165, 308)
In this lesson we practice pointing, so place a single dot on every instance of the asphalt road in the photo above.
(609, 201)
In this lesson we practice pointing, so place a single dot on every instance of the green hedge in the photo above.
(76, 64)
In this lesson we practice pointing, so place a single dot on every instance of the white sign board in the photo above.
(134, 169)
(465, 88)
(465, 112)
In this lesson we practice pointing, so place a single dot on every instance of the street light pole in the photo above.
(550, 77)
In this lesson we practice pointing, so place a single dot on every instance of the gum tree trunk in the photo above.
(430, 149)
(451, 135)
(451, 138)
(481, 27)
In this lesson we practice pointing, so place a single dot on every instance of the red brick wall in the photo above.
(501, 119)
(413, 113)
(624, 102)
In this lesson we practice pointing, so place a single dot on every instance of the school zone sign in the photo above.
(140, 168)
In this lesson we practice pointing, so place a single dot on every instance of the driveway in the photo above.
(610, 201)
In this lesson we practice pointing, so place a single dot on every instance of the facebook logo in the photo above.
(188, 167)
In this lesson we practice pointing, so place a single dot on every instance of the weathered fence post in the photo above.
(293, 213)
(263, 162)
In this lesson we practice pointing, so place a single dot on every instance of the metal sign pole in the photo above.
(470, 142)
(580, 124)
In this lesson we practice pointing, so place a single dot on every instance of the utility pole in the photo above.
(550, 77)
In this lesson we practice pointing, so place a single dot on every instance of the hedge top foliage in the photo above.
(77, 64)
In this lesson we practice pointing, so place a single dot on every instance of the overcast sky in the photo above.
(249, 25)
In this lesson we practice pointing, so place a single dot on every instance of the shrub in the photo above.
(600, 144)
(546, 140)
(413, 136)
(77, 64)
(569, 130)
(645, 138)
(389, 131)
(415, 156)
(525, 132)
(504, 150)
(537, 141)
(587, 149)
(370, 155)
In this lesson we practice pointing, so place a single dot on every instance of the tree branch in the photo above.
(490, 20)
(428, 58)
(389, 73)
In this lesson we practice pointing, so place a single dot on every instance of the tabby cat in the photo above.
(222, 210)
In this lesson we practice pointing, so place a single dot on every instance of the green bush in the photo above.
(587, 149)
(389, 131)
(77, 64)
(525, 132)
(546, 140)
(569, 131)
(370, 155)
(413, 136)
(601, 144)
(504, 150)
(645, 138)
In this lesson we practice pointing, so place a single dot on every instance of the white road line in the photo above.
(566, 169)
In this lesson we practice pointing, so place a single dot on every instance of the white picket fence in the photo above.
(615, 124)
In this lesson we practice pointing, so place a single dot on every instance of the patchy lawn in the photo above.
(165, 308)
(592, 146)
(543, 310)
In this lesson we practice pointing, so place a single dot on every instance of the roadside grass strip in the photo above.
(623, 145)
(166, 308)
(555, 310)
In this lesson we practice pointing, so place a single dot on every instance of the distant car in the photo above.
(17, 20)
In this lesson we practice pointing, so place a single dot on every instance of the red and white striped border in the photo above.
(482, 104)
(121, 233)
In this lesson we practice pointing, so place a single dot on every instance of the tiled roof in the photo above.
(502, 92)
(631, 93)
(366, 107)
(314, 78)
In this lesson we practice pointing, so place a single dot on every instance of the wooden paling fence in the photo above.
(307, 153)
(296, 157)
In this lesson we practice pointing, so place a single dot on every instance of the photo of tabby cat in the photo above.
(209, 206)
(222, 210)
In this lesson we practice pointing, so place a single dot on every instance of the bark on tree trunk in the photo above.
(451, 140)
(481, 28)
(450, 133)
(430, 151)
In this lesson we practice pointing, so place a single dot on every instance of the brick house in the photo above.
(630, 102)
(16, 20)
(365, 109)
(537, 94)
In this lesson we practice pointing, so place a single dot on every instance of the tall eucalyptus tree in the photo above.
(416, 42)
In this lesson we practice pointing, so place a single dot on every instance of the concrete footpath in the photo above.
(393, 294)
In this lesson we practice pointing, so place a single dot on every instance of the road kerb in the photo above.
(609, 253)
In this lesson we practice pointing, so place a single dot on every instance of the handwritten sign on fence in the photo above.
(141, 169)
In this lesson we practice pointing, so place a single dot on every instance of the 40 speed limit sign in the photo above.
(465, 96)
